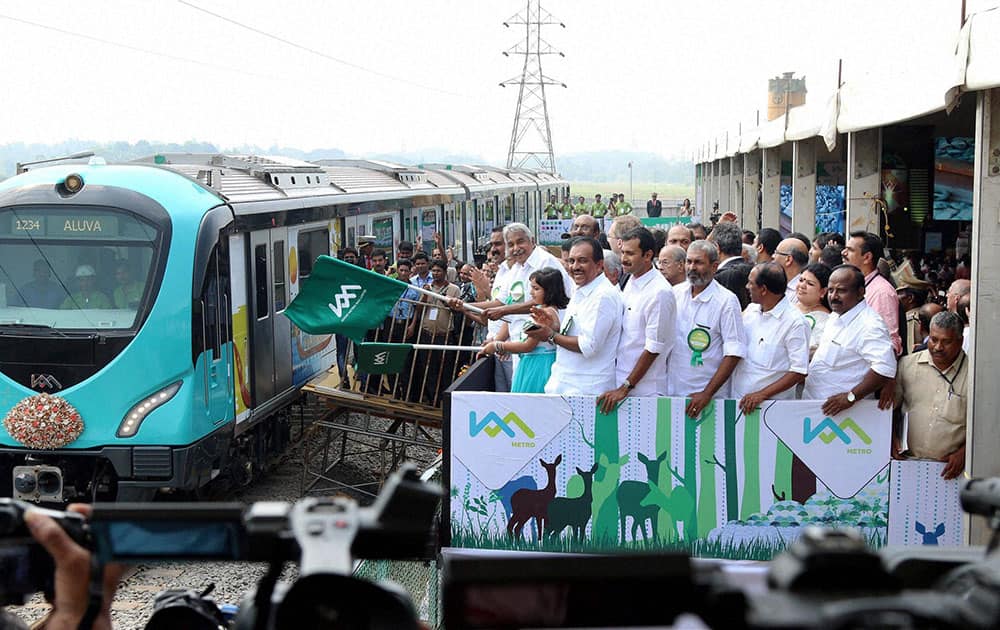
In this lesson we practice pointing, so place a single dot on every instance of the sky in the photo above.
(380, 76)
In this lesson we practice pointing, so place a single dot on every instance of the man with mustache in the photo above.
(710, 339)
(854, 350)
(647, 324)
(587, 339)
(931, 391)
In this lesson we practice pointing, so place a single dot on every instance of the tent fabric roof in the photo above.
(935, 72)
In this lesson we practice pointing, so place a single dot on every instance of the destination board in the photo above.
(76, 225)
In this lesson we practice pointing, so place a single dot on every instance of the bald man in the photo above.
(957, 289)
(792, 254)
(585, 225)
(679, 235)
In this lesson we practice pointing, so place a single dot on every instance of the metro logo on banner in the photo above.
(850, 450)
(500, 424)
(835, 431)
(496, 436)
(343, 299)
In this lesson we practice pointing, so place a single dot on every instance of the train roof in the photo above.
(252, 183)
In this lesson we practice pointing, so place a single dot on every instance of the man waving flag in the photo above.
(343, 298)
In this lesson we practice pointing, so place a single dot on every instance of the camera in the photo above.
(322, 535)
(25, 567)
(827, 578)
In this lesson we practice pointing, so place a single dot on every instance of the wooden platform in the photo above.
(356, 418)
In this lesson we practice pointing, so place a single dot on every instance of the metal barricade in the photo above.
(387, 415)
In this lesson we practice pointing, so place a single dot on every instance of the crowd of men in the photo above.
(705, 313)
(726, 313)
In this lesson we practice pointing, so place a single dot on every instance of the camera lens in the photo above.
(49, 482)
(25, 482)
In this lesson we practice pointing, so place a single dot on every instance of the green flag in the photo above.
(344, 299)
(381, 358)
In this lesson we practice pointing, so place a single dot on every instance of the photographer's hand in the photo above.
(72, 577)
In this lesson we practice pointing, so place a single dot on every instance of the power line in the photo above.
(146, 51)
(313, 51)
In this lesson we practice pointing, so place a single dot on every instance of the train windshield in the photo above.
(75, 268)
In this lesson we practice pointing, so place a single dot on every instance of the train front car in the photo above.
(100, 393)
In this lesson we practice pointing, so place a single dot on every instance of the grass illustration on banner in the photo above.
(342, 298)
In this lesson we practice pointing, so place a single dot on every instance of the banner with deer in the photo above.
(547, 473)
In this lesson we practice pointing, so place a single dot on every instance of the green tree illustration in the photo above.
(751, 465)
(604, 527)
(707, 462)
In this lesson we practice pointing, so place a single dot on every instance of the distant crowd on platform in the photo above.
(616, 206)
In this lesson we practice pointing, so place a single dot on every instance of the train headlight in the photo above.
(130, 423)
(73, 183)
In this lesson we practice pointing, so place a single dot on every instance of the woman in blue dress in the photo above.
(536, 358)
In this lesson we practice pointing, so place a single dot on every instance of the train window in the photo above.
(260, 281)
(293, 179)
(312, 244)
(279, 276)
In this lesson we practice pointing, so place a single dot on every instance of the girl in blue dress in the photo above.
(536, 358)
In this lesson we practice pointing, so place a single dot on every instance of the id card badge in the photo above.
(432, 315)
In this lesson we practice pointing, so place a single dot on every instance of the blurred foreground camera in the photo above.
(322, 535)
(25, 567)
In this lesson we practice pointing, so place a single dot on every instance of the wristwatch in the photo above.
(851, 397)
(628, 385)
(552, 337)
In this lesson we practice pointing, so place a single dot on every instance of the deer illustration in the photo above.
(533, 504)
(930, 538)
(630, 497)
(507, 490)
(575, 513)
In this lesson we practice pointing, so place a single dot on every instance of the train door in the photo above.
(420, 225)
(271, 335)
(212, 335)
(385, 228)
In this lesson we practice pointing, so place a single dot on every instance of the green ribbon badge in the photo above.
(698, 340)
(516, 293)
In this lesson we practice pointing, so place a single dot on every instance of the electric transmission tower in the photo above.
(531, 138)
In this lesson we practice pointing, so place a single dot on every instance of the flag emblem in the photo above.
(343, 299)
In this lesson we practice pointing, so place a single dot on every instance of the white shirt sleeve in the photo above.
(598, 323)
(734, 335)
(876, 348)
(661, 317)
(797, 347)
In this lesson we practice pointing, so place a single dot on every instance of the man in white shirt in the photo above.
(587, 342)
(647, 324)
(511, 295)
(672, 259)
(778, 336)
(855, 349)
(524, 258)
(710, 338)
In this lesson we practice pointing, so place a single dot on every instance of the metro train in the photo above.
(142, 341)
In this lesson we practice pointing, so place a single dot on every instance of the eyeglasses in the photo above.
(777, 253)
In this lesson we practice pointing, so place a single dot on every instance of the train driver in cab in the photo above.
(88, 296)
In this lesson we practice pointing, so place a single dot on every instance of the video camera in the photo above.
(323, 535)
(826, 579)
